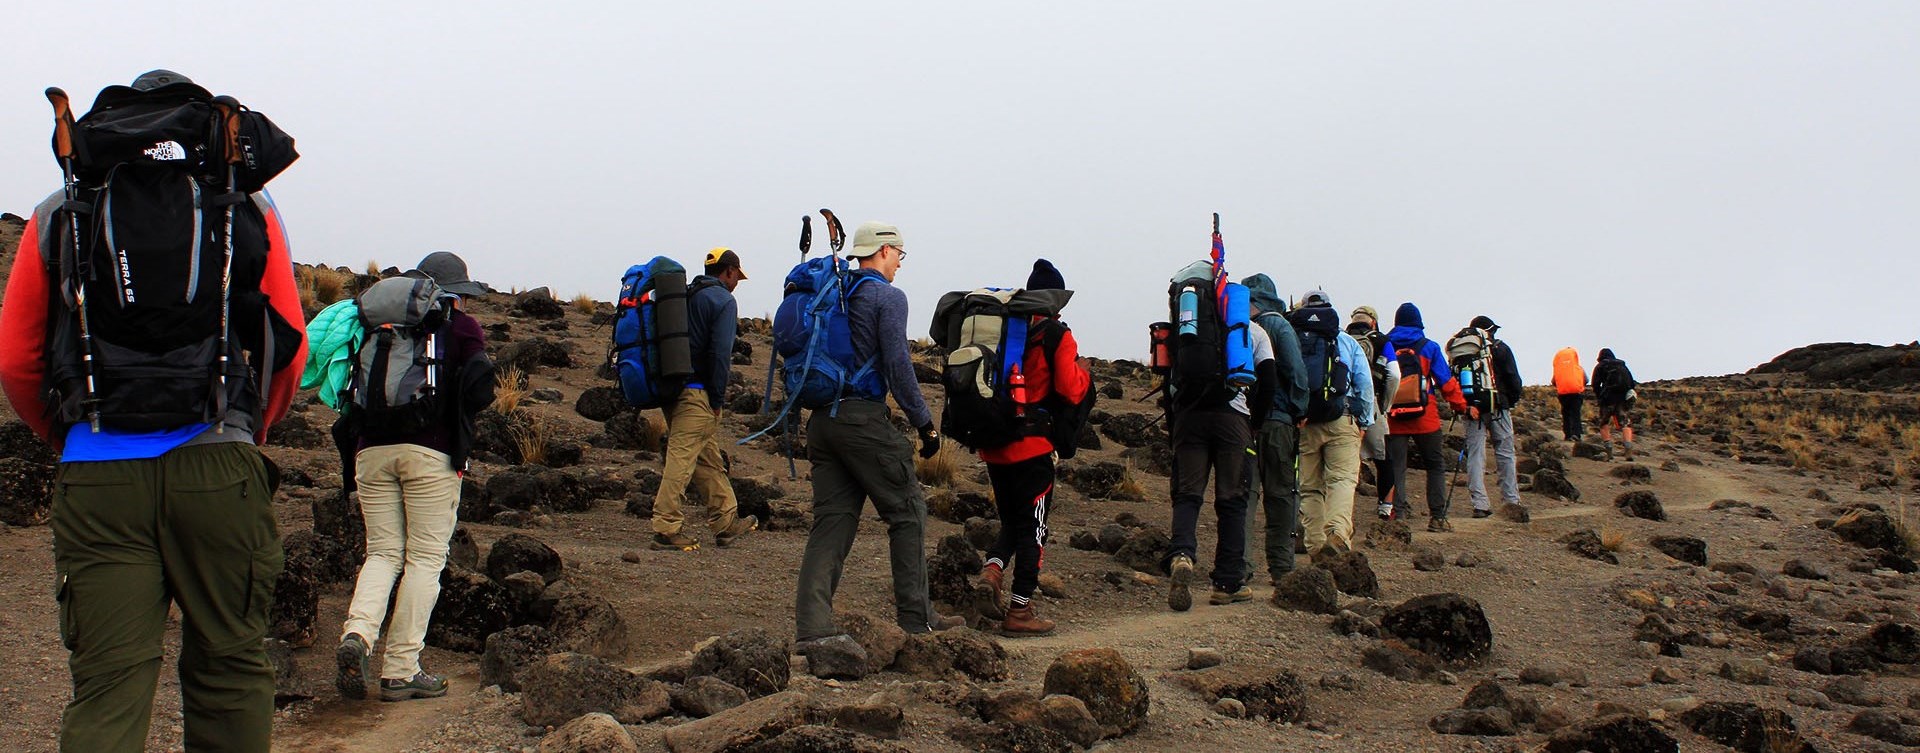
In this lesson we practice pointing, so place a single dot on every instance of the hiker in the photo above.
(412, 452)
(1495, 420)
(1211, 431)
(1614, 394)
(1022, 471)
(693, 419)
(1364, 327)
(162, 496)
(1570, 383)
(1276, 445)
(1414, 417)
(1338, 412)
(857, 454)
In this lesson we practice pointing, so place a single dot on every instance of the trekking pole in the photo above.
(1459, 461)
(77, 291)
(228, 109)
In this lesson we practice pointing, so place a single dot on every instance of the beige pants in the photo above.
(693, 454)
(411, 497)
(1329, 470)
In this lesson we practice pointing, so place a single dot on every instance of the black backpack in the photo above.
(987, 333)
(158, 242)
(1374, 343)
(1198, 370)
(1327, 376)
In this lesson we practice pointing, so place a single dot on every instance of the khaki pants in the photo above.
(1329, 470)
(193, 527)
(693, 454)
(411, 498)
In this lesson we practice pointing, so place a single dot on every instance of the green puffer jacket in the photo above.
(332, 337)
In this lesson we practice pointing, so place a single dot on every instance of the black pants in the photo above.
(1213, 440)
(1570, 426)
(1434, 451)
(1023, 492)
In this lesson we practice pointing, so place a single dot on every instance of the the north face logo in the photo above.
(166, 151)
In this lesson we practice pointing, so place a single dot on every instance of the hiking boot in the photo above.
(1223, 597)
(946, 622)
(987, 597)
(352, 663)
(1180, 594)
(679, 541)
(420, 685)
(740, 527)
(1385, 511)
(1023, 621)
(1338, 543)
(1439, 525)
(1479, 513)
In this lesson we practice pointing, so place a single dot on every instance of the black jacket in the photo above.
(1506, 376)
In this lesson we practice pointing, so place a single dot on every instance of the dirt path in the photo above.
(339, 725)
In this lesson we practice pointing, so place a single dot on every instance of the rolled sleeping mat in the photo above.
(1235, 319)
(670, 325)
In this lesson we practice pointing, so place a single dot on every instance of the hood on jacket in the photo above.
(1408, 316)
(1263, 294)
(1606, 354)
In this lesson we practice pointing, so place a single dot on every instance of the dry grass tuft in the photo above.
(320, 286)
(511, 390)
(937, 471)
(373, 268)
(1613, 539)
(655, 437)
(1907, 522)
(585, 304)
(1130, 489)
(531, 440)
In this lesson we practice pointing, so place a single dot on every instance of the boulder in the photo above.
(1894, 643)
(1593, 450)
(1687, 549)
(1744, 727)
(462, 552)
(470, 608)
(1804, 570)
(1429, 559)
(1352, 573)
(957, 508)
(517, 551)
(743, 726)
(1520, 707)
(1307, 589)
(1854, 691)
(296, 591)
(562, 687)
(1553, 484)
(1097, 480)
(1631, 473)
(981, 532)
(1156, 459)
(533, 353)
(951, 570)
(1264, 692)
(1448, 626)
(752, 660)
(1586, 543)
(26, 492)
(877, 718)
(1134, 430)
(1485, 722)
(1113, 536)
(1399, 661)
(339, 522)
(1640, 504)
(1113, 692)
(755, 497)
(1618, 733)
(1884, 726)
(587, 623)
(1144, 550)
(1023, 738)
(960, 651)
(820, 738)
(600, 403)
(590, 733)
(1389, 536)
(510, 651)
(836, 657)
(880, 638)
(1835, 660)
(1870, 530)
(704, 696)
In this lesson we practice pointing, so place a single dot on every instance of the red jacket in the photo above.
(1062, 375)
(23, 329)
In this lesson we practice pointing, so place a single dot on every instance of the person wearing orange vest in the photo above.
(1570, 381)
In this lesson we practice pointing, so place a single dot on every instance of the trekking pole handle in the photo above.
(229, 111)
(836, 235)
(1216, 223)
(806, 235)
(62, 122)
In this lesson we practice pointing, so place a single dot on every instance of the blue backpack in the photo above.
(1327, 377)
(811, 334)
(651, 355)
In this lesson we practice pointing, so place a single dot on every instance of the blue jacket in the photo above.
(1359, 380)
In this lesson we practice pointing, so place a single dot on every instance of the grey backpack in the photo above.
(397, 369)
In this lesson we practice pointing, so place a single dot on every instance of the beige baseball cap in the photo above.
(870, 236)
(1368, 314)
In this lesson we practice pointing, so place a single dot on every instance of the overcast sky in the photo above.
(1699, 186)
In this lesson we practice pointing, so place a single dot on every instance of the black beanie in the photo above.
(1045, 277)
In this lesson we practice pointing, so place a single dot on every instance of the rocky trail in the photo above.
(1746, 578)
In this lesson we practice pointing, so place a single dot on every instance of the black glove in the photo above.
(929, 440)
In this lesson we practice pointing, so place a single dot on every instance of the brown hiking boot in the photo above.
(679, 541)
(1180, 591)
(1023, 621)
(946, 622)
(1439, 525)
(740, 527)
(987, 595)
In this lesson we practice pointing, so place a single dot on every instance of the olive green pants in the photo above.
(193, 527)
